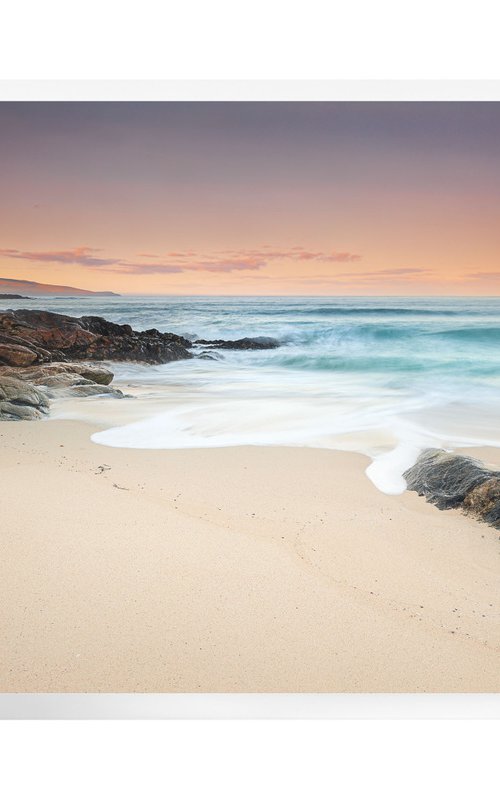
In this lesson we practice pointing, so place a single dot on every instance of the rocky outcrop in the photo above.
(45, 355)
(20, 400)
(452, 481)
(48, 381)
(29, 337)
(248, 343)
(35, 337)
(62, 379)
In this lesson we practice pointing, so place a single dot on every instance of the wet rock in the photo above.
(57, 337)
(453, 481)
(87, 389)
(39, 374)
(20, 400)
(210, 356)
(248, 343)
(70, 384)
(65, 379)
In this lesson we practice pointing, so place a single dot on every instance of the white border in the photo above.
(249, 706)
(249, 90)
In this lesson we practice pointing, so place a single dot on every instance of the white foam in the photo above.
(220, 404)
(386, 471)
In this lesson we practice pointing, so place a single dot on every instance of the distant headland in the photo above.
(32, 288)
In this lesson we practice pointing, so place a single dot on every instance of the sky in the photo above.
(252, 198)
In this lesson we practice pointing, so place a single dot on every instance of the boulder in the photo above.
(20, 400)
(453, 481)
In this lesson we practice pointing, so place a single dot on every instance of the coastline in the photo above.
(241, 569)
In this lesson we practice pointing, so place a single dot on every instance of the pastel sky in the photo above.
(252, 198)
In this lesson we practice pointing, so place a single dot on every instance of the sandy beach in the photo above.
(245, 569)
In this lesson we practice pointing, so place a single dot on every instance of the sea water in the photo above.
(382, 376)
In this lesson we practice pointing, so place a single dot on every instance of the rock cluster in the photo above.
(452, 481)
(25, 391)
(45, 355)
(34, 337)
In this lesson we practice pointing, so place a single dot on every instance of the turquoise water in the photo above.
(383, 376)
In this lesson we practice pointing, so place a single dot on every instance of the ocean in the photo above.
(384, 376)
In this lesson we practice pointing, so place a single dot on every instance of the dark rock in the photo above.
(248, 343)
(57, 337)
(445, 478)
(20, 400)
(452, 481)
(13, 297)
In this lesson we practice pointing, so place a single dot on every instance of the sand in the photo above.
(233, 570)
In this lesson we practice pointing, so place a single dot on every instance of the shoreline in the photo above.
(250, 569)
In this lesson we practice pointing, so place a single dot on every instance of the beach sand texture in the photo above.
(233, 570)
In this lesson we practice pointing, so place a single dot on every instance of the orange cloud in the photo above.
(403, 273)
(296, 253)
(227, 265)
(483, 276)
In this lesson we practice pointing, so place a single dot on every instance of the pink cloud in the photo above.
(77, 255)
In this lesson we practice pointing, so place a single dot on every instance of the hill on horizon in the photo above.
(35, 289)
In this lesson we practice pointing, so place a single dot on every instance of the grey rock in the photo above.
(43, 373)
(20, 400)
(453, 481)
(89, 389)
(69, 384)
